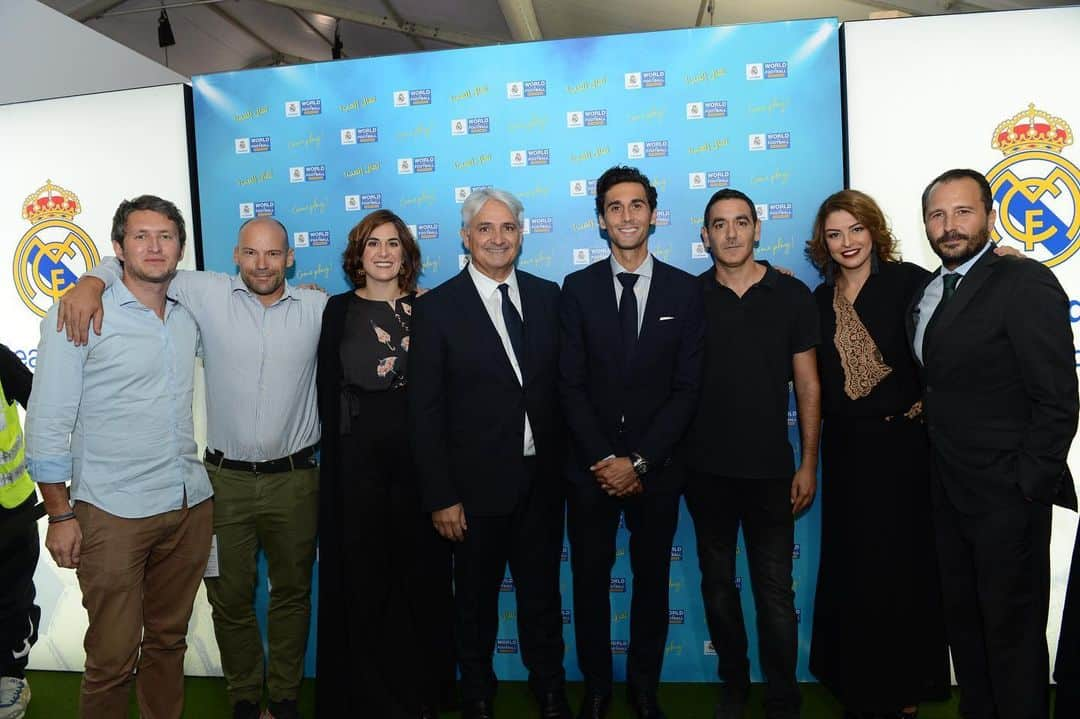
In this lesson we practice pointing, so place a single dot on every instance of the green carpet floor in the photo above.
(55, 696)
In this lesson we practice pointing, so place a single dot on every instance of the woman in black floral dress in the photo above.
(385, 612)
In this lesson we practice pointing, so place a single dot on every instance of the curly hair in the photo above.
(352, 261)
(863, 208)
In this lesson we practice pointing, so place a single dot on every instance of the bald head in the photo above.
(262, 254)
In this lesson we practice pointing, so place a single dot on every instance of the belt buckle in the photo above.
(254, 467)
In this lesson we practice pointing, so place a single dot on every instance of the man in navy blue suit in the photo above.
(630, 371)
(490, 445)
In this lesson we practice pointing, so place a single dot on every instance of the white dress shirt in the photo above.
(641, 287)
(488, 289)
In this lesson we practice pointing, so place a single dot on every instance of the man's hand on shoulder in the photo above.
(80, 306)
(450, 522)
(1007, 251)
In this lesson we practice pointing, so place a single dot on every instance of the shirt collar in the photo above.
(769, 280)
(771, 275)
(125, 298)
(239, 286)
(966, 267)
(645, 270)
(487, 286)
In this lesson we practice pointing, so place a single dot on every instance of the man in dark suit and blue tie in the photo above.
(490, 446)
(993, 336)
(632, 345)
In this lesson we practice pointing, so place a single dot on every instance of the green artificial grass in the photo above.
(55, 696)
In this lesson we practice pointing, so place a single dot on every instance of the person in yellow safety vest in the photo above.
(19, 544)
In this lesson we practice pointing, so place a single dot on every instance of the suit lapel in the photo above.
(480, 325)
(911, 317)
(604, 298)
(657, 287)
(968, 288)
(533, 321)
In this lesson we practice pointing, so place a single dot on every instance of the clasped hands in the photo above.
(616, 476)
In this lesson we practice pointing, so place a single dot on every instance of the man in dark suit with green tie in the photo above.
(993, 336)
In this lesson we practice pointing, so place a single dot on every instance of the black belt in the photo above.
(300, 460)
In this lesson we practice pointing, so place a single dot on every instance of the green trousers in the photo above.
(277, 513)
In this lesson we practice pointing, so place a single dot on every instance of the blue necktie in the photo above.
(628, 311)
(515, 328)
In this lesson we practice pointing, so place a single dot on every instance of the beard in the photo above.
(970, 246)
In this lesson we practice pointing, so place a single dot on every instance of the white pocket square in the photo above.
(667, 317)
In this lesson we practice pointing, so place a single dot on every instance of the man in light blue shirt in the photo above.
(259, 339)
(113, 417)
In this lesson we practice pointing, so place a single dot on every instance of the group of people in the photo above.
(459, 428)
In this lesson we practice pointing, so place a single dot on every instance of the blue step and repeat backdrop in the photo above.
(753, 107)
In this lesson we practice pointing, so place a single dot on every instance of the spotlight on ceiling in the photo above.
(165, 36)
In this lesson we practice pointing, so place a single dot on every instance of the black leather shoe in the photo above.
(428, 712)
(553, 705)
(644, 703)
(478, 709)
(594, 706)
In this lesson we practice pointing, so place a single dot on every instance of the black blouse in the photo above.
(880, 307)
(375, 343)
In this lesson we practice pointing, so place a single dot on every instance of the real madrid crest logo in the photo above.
(1037, 190)
(54, 251)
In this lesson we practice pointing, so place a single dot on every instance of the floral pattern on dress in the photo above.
(383, 336)
(386, 366)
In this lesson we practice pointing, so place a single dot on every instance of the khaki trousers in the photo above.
(139, 578)
(277, 513)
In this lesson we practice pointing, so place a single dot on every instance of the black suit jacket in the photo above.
(614, 407)
(1000, 386)
(467, 408)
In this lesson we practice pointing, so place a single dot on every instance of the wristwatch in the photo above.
(640, 464)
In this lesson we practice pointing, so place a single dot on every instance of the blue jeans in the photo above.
(718, 505)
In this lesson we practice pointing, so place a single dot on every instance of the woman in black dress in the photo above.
(385, 614)
(879, 634)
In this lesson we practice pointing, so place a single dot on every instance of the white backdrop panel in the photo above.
(103, 148)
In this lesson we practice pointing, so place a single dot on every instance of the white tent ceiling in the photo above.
(221, 35)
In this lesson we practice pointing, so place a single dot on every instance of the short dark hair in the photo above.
(265, 218)
(352, 261)
(153, 204)
(960, 174)
(618, 174)
(728, 193)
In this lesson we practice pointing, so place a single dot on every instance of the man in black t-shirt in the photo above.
(761, 330)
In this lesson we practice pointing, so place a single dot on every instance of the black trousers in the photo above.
(530, 541)
(399, 626)
(19, 616)
(718, 506)
(593, 520)
(995, 579)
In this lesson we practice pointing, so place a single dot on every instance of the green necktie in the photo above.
(949, 282)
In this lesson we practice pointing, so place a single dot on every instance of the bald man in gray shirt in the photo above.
(259, 341)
